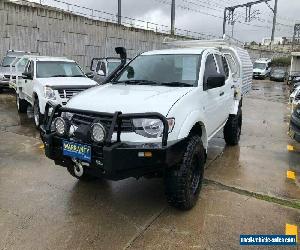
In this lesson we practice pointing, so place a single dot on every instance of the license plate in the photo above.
(78, 151)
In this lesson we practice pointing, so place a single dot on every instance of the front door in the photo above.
(212, 105)
(28, 83)
(227, 91)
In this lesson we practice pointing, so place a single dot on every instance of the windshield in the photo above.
(111, 66)
(7, 61)
(58, 69)
(162, 69)
(259, 66)
(278, 71)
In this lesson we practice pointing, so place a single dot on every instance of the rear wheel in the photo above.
(183, 184)
(233, 128)
(38, 117)
(21, 104)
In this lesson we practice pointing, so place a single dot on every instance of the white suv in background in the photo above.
(49, 78)
(262, 68)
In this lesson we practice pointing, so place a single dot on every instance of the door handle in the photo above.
(222, 93)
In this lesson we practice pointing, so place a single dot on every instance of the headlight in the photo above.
(151, 128)
(61, 126)
(98, 132)
(49, 93)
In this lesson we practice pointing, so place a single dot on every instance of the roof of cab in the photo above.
(176, 51)
(49, 58)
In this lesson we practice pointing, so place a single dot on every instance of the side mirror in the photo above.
(214, 82)
(89, 75)
(100, 72)
(27, 75)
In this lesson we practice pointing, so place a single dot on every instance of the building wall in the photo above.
(259, 53)
(52, 32)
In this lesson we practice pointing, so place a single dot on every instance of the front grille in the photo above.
(78, 120)
(68, 93)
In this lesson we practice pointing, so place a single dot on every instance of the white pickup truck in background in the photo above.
(48, 78)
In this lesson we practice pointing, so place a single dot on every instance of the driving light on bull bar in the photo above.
(98, 132)
(60, 126)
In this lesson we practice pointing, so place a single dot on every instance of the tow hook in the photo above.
(78, 168)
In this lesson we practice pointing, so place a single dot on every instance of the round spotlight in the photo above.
(60, 126)
(98, 132)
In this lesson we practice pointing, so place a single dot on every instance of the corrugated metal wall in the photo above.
(51, 32)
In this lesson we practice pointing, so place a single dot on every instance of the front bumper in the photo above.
(120, 160)
(258, 75)
(115, 159)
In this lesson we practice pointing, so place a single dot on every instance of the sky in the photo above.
(203, 16)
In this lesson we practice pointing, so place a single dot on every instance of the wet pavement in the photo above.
(246, 190)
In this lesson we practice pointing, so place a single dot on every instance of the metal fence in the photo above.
(126, 21)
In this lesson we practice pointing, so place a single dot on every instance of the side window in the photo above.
(30, 67)
(27, 67)
(226, 67)
(103, 68)
(233, 66)
(220, 64)
(210, 67)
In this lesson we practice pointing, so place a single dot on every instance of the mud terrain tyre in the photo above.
(233, 128)
(21, 104)
(183, 183)
(37, 116)
(84, 177)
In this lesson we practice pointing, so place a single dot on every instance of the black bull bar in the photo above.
(116, 122)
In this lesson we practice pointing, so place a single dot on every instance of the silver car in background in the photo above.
(7, 72)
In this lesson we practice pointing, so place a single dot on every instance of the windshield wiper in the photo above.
(59, 76)
(176, 84)
(138, 82)
(78, 76)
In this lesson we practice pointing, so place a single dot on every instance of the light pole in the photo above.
(119, 12)
(173, 18)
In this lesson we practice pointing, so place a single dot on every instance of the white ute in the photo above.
(48, 78)
(155, 117)
(262, 68)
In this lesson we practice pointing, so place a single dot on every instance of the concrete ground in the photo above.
(246, 190)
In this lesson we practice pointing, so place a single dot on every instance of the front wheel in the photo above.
(183, 183)
(233, 128)
(21, 104)
(38, 117)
